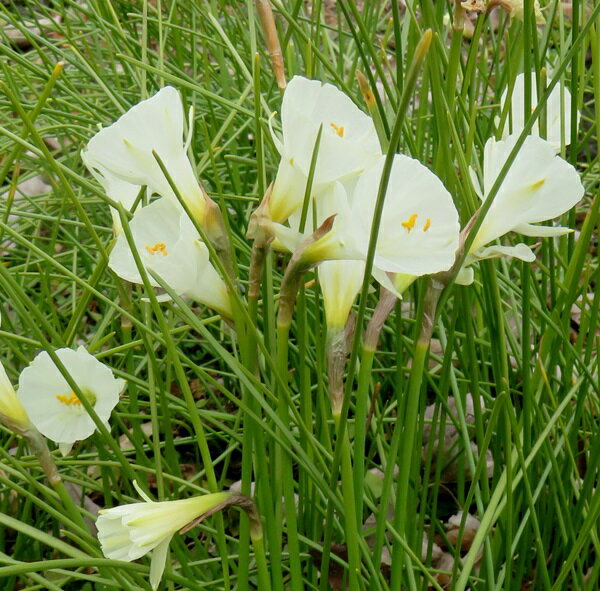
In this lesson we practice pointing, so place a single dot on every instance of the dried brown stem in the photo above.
(267, 20)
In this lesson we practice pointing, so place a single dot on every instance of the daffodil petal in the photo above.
(519, 251)
(542, 231)
(158, 562)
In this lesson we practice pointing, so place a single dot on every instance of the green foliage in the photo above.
(513, 367)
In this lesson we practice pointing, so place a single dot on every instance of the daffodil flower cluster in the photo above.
(321, 207)
(124, 157)
(419, 229)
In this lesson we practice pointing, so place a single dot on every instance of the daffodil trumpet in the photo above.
(348, 143)
(68, 394)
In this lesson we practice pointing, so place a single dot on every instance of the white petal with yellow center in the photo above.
(348, 142)
(51, 403)
(170, 246)
(538, 186)
(419, 226)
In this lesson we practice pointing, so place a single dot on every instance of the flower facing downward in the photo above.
(52, 405)
(169, 245)
(348, 142)
(340, 283)
(126, 147)
(558, 117)
(12, 413)
(128, 532)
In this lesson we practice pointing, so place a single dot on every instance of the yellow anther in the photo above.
(292, 161)
(69, 400)
(159, 247)
(410, 224)
(339, 129)
(427, 224)
(537, 184)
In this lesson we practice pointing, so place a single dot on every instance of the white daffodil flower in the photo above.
(128, 532)
(538, 186)
(169, 245)
(125, 149)
(12, 413)
(419, 227)
(348, 142)
(418, 234)
(558, 112)
(54, 408)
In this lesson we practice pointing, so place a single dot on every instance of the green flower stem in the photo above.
(410, 421)
(39, 447)
(360, 425)
(352, 533)
(370, 341)
(264, 581)
(283, 475)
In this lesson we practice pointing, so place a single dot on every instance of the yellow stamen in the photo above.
(427, 224)
(339, 129)
(410, 224)
(292, 161)
(159, 247)
(537, 184)
(69, 400)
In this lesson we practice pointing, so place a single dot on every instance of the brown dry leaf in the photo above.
(36, 185)
(336, 572)
(453, 527)
(474, 5)
(20, 39)
(125, 442)
(447, 444)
